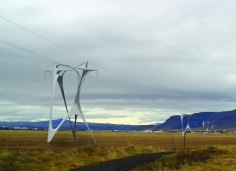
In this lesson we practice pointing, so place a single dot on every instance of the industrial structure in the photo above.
(57, 78)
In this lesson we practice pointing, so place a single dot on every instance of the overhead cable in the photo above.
(41, 37)
(26, 50)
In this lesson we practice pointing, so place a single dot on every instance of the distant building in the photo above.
(148, 131)
(20, 128)
(4, 127)
(159, 131)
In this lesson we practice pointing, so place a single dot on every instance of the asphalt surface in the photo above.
(123, 164)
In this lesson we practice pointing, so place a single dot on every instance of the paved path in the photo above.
(123, 164)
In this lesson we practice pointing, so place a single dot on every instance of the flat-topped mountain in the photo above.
(220, 120)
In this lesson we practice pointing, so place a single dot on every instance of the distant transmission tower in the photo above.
(57, 78)
(184, 131)
(203, 127)
(187, 128)
(181, 117)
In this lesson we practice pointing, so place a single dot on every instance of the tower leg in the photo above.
(71, 127)
(74, 130)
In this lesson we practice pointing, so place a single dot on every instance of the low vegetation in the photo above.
(180, 159)
(28, 150)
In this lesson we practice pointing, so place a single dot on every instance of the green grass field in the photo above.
(28, 150)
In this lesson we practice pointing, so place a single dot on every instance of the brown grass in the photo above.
(180, 158)
(217, 162)
(28, 150)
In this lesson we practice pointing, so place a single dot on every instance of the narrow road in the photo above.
(123, 164)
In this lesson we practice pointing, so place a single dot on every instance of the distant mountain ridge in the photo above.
(80, 125)
(220, 120)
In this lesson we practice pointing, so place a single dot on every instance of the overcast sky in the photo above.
(154, 58)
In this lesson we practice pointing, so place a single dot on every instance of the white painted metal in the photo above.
(203, 127)
(181, 117)
(182, 124)
(57, 77)
(187, 126)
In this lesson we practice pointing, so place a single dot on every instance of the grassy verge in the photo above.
(225, 159)
(179, 159)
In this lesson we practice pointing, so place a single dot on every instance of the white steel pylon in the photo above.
(182, 126)
(57, 77)
(187, 126)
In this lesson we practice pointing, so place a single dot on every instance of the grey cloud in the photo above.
(103, 115)
(161, 57)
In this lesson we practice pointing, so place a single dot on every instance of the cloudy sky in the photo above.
(155, 58)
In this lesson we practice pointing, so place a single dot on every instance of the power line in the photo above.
(27, 51)
(36, 54)
(41, 37)
(63, 48)
(47, 40)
